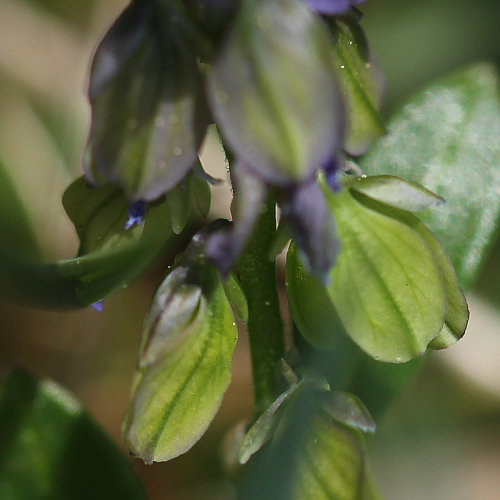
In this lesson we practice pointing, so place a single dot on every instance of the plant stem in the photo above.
(265, 327)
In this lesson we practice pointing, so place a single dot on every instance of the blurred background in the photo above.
(441, 438)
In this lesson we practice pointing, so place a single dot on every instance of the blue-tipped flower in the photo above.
(135, 214)
(333, 7)
(98, 306)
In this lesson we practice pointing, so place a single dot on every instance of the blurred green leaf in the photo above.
(116, 260)
(50, 448)
(386, 284)
(361, 81)
(446, 138)
(184, 367)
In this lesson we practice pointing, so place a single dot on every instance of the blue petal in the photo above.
(135, 214)
(224, 246)
(98, 306)
(332, 174)
(313, 228)
(332, 7)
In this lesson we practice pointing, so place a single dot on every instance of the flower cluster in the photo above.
(263, 71)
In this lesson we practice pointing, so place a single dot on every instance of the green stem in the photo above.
(265, 327)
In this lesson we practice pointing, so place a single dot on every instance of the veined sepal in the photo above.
(393, 287)
(149, 114)
(281, 126)
(184, 362)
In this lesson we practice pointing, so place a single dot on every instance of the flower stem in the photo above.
(265, 327)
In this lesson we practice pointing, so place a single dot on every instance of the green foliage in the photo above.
(50, 448)
(446, 138)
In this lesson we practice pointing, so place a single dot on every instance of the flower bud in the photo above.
(273, 91)
(148, 111)
(184, 363)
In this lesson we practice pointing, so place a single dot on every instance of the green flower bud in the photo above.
(273, 91)
(148, 111)
(184, 363)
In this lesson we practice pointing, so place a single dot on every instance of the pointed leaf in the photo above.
(51, 448)
(185, 368)
(396, 192)
(446, 138)
(386, 285)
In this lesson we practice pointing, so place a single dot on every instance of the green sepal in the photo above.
(193, 193)
(50, 447)
(457, 311)
(149, 114)
(347, 409)
(236, 297)
(395, 191)
(262, 430)
(281, 125)
(332, 464)
(361, 82)
(386, 285)
(184, 364)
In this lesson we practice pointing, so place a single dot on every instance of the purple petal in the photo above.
(98, 306)
(135, 214)
(332, 174)
(313, 228)
(332, 7)
(224, 247)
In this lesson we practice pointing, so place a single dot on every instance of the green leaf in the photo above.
(396, 192)
(236, 297)
(117, 256)
(347, 409)
(361, 82)
(446, 138)
(185, 364)
(261, 431)
(51, 448)
(386, 284)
